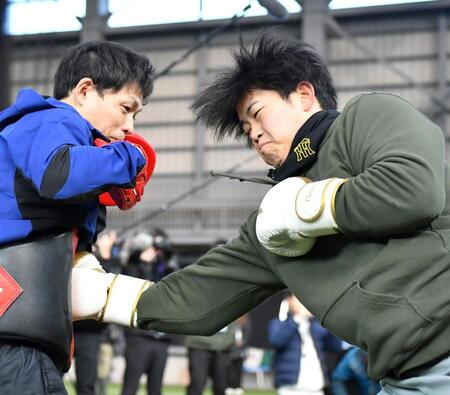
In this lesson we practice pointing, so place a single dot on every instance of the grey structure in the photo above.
(401, 48)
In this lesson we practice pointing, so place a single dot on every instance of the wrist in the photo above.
(121, 302)
(315, 207)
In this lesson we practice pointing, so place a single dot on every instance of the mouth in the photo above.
(261, 145)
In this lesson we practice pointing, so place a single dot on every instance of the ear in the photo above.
(307, 95)
(82, 89)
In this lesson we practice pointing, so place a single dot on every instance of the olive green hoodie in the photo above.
(382, 284)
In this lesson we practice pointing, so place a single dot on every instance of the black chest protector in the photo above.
(39, 313)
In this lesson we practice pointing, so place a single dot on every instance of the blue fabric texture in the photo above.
(51, 172)
(353, 367)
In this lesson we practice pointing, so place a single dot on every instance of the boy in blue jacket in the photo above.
(51, 177)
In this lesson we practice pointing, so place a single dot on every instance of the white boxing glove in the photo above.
(105, 297)
(296, 211)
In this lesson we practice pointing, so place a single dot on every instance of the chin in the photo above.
(276, 163)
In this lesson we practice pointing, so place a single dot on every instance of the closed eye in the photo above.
(257, 112)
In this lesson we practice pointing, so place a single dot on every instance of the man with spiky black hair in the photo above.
(261, 68)
(357, 226)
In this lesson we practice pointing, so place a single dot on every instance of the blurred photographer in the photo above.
(150, 257)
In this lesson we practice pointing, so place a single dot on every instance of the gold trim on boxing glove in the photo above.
(79, 255)
(108, 297)
(321, 207)
(322, 201)
(306, 179)
(144, 287)
(333, 198)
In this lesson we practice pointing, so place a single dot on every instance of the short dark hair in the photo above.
(271, 64)
(110, 66)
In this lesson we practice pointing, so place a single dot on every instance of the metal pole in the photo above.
(5, 52)
(314, 24)
(95, 21)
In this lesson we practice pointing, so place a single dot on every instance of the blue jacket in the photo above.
(285, 338)
(51, 174)
(353, 367)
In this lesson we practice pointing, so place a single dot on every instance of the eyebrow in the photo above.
(136, 106)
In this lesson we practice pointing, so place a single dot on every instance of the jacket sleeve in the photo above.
(396, 157)
(330, 342)
(64, 164)
(202, 298)
(281, 332)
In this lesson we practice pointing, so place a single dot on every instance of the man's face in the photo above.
(112, 113)
(271, 122)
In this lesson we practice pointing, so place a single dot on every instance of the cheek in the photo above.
(271, 124)
(112, 117)
(279, 128)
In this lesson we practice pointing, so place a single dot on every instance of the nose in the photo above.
(256, 134)
(128, 125)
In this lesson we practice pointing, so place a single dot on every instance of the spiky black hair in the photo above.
(270, 64)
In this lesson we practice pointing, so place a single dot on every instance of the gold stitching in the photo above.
(144, 287)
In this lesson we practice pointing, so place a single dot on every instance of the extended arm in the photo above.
(200, 299)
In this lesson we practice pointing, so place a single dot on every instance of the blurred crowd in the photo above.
(303, 357)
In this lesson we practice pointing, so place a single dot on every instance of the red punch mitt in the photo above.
(126, 198)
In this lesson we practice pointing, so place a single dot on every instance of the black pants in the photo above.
(28, 371)
(235, 373)
(204, 364)
(87, 345)
(144, 355)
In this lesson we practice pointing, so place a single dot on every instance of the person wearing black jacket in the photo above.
(146, 351)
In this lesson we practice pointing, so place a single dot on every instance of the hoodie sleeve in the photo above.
(397, 156)
(64, 165)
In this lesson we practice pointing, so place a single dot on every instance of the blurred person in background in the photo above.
(237, 355)
(112, 345)
(89, 334)
(209, 356)
(350, 376)
(300, 343)
(150, 257)
(107, 250)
